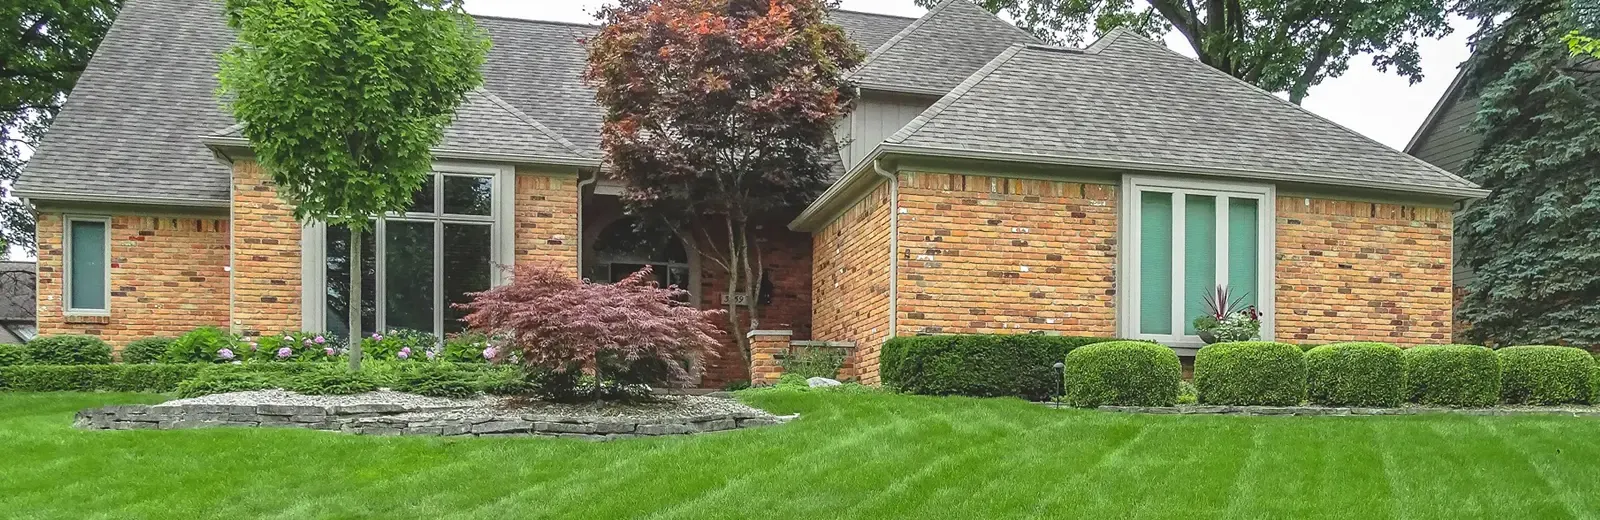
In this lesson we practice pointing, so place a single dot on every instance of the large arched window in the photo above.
(628, 244)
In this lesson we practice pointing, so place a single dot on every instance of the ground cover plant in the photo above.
(905, 457)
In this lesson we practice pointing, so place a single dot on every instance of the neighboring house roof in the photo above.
(18, 287)
(939, 50)
(134, 129)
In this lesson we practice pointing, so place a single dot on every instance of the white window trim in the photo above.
(1128, 292)
(502, 249)
(66, 265)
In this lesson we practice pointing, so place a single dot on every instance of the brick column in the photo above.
(547, 219)
(266, 255)
(766, 348)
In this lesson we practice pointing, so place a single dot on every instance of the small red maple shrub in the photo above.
(627, 334)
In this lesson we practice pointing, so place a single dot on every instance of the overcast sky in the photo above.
(1382, 106)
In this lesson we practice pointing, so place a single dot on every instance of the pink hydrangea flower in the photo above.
(328, 351)
(307, 342)
(285, 352)
(225, 354)
(320, 340)
(405, 353)
(254, 346)
(287, 337)
(377, 337)
(489, 353)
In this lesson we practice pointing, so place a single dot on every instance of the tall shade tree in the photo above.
(41, 56)
(719, 117)
(342, 101)
(1278, 46)
(1534, 242)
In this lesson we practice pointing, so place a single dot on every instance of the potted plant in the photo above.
(1226, 320)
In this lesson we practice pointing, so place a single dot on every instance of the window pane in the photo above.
(337, 310)
(1155, 263)
(408, 275)
(466, 268)
(88, 269)
(468, 195)
(422, 200)
(1199, 256)
(1244, 249)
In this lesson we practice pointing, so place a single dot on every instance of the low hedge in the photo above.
(91, 378)
(1250, 373)
(1545, 375)
(1356, 374)
(68, 349)
(1453, 375)
(978, 365)
(12, 354)
(1122, 373)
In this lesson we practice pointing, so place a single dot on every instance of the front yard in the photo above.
(848, 456)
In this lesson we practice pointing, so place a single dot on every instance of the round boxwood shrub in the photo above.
(12, 354)
(1250, 373)
(1122, 373)
(1453, 375)
(1356, 374)
(1545, 375)
(68, 349)
(147, 350)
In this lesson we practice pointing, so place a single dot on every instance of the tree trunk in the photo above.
(738, 255)
(355, 299)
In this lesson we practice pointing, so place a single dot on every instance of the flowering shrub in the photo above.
(465, 347)
(293, 346)
(630, 333)
(400, 345)
(1226, 321)
(203, 345)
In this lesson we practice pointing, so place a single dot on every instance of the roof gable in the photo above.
(936, 52)
(1131, 102)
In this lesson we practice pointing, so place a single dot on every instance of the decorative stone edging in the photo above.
(392, 419)
(1335, 411)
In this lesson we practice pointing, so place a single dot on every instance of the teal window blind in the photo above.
(1244, 249)
(87, 270)
(1199, 256)
(1155, 263)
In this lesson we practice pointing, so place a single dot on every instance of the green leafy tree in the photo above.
(719, 116)
(343, 100)
(1534, 242)
(1278, 46)
(42, 54)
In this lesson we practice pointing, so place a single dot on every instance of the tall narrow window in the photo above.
(88, 275)
(1189, 238)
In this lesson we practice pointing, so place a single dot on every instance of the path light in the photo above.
(1061, 382)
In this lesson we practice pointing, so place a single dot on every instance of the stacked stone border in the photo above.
(393, 419)
(1334, 411)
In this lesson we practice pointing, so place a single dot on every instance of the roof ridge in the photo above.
(1105, 41)
(1275, 98)
(954, 95)
(894, 40)
(525, 118)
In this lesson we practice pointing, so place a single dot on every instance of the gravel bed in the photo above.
(287, 398)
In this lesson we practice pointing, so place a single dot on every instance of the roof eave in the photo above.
(1450, 94)
(62, 196)
(224, 143)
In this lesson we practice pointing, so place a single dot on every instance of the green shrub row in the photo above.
(66, 349)
(978, 365)
(91, 378)
(195, 379)
(1356, 374)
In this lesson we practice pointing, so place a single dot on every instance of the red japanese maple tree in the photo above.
(719, 118)
(549, 321)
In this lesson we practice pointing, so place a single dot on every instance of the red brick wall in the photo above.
(1361, 271)
(266, 255)
(168, 275)
(850, 289)
(547, 219)
(786, 256)
(994, 255)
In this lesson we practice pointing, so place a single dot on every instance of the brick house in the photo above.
(989, 183)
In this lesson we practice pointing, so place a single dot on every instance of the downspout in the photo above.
(578, 237)
(894, 244)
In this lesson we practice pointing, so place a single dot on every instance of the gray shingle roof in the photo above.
(131, 130)
(939, 50)
(1131, 101)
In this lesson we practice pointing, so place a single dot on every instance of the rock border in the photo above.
(394, 419)
(1326, 411)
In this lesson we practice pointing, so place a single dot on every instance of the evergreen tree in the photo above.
(1534, 242)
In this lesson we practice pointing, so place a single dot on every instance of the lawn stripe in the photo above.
(1560, 490)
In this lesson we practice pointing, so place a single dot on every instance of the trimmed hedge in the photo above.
(146, 350)
(978, 365)
(1250, 373)
(1122, 373)
(68, 349)
(1356, 374)
(12, 354)
(1453, 375)
(91, 378)
(1545, 375)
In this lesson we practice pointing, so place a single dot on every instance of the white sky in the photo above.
(1381, 105)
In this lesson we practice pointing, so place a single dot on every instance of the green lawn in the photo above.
(849, 456)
